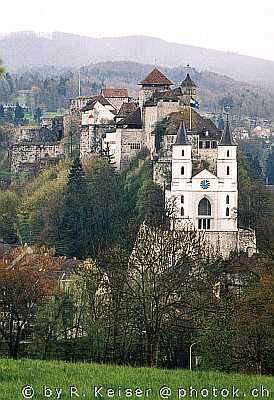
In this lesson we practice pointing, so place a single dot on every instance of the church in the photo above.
(193, 160)
(206, 199)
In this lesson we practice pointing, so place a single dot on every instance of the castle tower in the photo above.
(188, 89)
(156, 81)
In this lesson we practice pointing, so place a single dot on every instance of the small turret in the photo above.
(188, 86)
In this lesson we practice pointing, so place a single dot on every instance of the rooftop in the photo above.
(156, 77)
(181, 138)
(199, 125)
(133, 120)
(227, 139)
(188, 82)
(126, 109)
(115, 93)
(99, 98)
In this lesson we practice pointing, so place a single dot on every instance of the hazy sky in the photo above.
(242, 26)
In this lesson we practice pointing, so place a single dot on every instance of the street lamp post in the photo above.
(190, 355)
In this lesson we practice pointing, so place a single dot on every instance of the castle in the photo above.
(194, 161)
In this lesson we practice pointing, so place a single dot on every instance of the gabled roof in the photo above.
(205, 174)
(227, 139)
(188, 82)
(201, 126)
(126, 109)
(133, 120)
(181, 138)
(156, 77)
(115, 93)
(165, 96)
(91, 103)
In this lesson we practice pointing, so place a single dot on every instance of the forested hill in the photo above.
(23, 49)
(51, 88)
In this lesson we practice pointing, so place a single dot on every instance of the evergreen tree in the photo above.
(75, 218)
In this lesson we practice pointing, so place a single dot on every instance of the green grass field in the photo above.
(53, 380)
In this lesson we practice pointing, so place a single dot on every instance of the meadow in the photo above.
(26, 379)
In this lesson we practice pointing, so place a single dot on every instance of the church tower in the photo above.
(227, 174)
(181, 169)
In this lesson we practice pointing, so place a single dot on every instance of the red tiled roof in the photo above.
(112, 92)
(156, 77)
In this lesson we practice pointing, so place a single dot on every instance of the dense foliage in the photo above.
(141, 294)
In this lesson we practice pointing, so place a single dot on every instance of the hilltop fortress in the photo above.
(194, 161)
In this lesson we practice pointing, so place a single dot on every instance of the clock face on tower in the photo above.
(205, 184)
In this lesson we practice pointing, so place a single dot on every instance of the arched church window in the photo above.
(227, 199)
(183, 153)
(182, 170)
(227, 153)
(228, 170)
(227, 212)
(182, 199)
(204, 207)
(182, 211)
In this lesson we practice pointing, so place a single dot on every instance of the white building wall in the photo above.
(222, 191)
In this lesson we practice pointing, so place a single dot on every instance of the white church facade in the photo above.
(206, 201)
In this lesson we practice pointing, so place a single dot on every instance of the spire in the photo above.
(181, 134)
(227, 139)
(188, 82)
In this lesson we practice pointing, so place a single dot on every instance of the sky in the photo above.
(241, 26)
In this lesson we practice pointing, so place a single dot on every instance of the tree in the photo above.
(151, 203)
(166, 283)
(41, 204)
(110, 210)
(24, 282)
(55, 320)
(254, 325)
(75, 220)
(8, 216)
